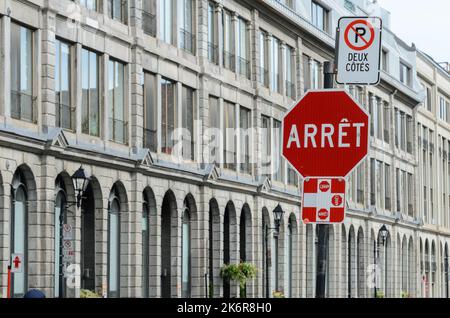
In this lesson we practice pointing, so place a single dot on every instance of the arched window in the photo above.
(145, 228)
(60, 221)
(114, 247)
(186, 254)
(19, 221)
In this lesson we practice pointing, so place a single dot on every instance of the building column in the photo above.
(133, 243)
(254, 46)
(41, 229)
(202, 29)
(48, 69)
(234, 52)
(299, 74)
(282, 63)
(199, 247)
(5, 219)
(136, 107)
(5, 49)
(219, 33)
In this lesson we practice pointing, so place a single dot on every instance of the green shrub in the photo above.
(380, 294)
(84, 293)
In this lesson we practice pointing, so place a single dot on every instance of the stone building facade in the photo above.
(106, 84)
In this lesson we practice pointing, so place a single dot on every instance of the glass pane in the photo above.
(94, 95)
(85, 90)
(114, 248)
(19, 238)
(150, 131)
(186, 257)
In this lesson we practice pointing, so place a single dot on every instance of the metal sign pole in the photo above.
(323, 229)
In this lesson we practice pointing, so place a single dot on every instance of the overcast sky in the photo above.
(426, 23)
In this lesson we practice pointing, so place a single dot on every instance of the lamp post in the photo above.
(80, 182)
(277, 217)
(383, 232)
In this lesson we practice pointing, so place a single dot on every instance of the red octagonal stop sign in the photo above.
(326, 134)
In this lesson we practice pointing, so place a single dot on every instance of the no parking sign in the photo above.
(359, 50)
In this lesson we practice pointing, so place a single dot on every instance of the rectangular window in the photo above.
(373, 117)
(409, 134)
(403, 131)
(387, 121)
(405, 74)
(168, 115)
(229, 135)
(213, 54)
(150, 113)
(245, 139)
(90, 4)
(384, 61)
(242, 48)
(117, 10)
(263, 50)
(372, 182)
(289, 72)
(22, 100)
(387, 187)
(118, 124)
(187, 38)
(360, 184)
(428, 98)
(410, 195)
(379, 183)
(292, 176)
(166, 20)
(214, 128)
(319, 16)
(278, 161)
(266, 133)
(380, 120)
(149, 17)
(187, 117)
(274, 63)
(64, 111)
(315, 73)
(442, 110)
(228, 41)
(404, 185)
(90, 93)
(398, 128)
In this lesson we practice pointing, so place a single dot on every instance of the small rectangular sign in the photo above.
(67, 232)
(359, 50)
(17, 263)
(323, 200)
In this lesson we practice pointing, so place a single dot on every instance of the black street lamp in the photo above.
(80, 182)
(383, 232)
(277, 217)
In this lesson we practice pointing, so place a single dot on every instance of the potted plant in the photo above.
(405, 294)
(240, 273)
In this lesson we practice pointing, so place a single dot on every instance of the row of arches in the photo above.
(170, 249)
(171, 261)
